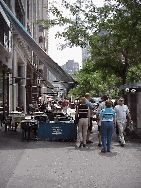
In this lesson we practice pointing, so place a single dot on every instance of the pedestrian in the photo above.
(108, 123)
(116, 103)
(83, 112)
(121, 112)
(91, 106)
(101, 106)
(60, 102)
(65, 105)
(31, 108)
(43, 107)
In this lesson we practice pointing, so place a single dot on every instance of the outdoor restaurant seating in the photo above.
(13, 119)
(29, 126)
(41, 117)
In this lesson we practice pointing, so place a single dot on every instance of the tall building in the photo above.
(85, 54)
(70, 67)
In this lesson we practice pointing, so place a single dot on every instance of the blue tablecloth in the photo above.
(57, 131)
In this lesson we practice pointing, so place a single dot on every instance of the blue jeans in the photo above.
(107, 128)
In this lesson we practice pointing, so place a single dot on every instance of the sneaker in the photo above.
(99, 145)
(84, 145)
(81, 144)
(122, 145)
(108, 150)
(89, 142)
(103, 150)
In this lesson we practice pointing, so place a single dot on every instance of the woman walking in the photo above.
(83, 112)
(107, 125)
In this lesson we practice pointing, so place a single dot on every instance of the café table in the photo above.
(41, 117)
(16, 120)
(13, 120)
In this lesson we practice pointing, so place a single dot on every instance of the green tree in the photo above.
(96, 84)
(114, 36)
(120, 43)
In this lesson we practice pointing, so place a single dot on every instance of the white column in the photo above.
(22, 89)
(10, 85)
(32, 14)
(36, 19)
(25, 14)
(15, 84)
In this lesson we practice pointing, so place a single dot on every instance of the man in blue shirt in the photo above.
(91, 106)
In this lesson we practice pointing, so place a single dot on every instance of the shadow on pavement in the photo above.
(13, 141)
(109, 154)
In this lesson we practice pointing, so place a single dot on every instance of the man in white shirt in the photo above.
(121, 112)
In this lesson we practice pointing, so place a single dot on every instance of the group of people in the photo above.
(108, 119)
(52, 105)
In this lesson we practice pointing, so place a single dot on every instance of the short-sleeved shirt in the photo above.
(121, 113)
(64, 104)
(108, 115)
(83, 111)
(101, 106)
(91, 106)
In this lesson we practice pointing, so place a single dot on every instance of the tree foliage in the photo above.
(96, 84)
(113, 33)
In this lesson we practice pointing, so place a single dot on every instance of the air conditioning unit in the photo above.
(41, 67)
(41, 39)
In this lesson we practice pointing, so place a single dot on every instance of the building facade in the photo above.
(24, 60)
(20, 68)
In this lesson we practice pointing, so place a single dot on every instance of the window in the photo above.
(7, 2)
(40, 28)
(19, 12)
(40, 39)
(28, 9)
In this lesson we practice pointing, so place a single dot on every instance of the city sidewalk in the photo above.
(48, 164)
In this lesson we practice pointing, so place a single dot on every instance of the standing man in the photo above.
(91, 106)
(121, 112)
(101, 107)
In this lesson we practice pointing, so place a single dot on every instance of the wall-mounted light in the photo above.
(133, 90)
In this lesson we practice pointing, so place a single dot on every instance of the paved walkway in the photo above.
(47, 164)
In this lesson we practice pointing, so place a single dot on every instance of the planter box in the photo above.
(64, 131)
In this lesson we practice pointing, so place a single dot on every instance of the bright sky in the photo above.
(75, 53)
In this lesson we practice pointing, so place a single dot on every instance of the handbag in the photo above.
(99, 123)
(76, 120)
(130, 127)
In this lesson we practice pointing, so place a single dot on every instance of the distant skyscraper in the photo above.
(85, 53)
(70, 67)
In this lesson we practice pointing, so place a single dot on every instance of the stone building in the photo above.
(24, 62)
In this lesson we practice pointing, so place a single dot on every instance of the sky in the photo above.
(62, 56)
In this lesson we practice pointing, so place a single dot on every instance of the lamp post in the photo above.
(9, 71)
(3, 72)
